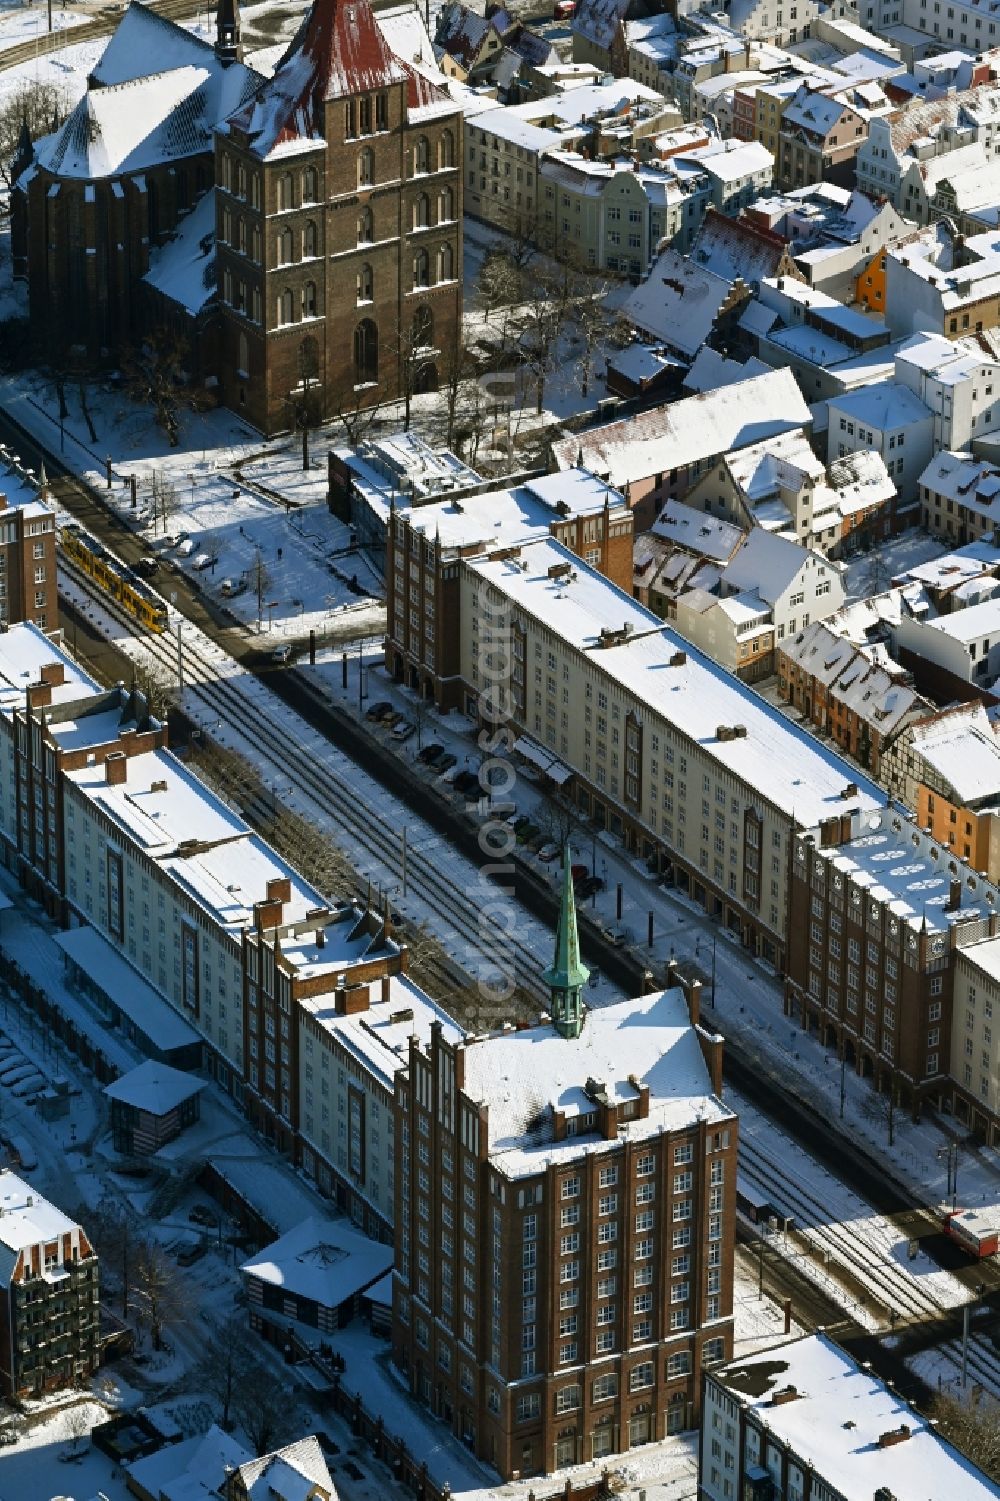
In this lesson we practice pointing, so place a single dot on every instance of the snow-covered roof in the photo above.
(155, 1087)
(736, 248)
(876, 694)
(640, 362)
(324, 1261)
(193, 1470)
(964, 751)
(597, 20)
(688, 431)
(146, 121)
(183, 268)
(908, 872)
(404, 30)
(836, 1418)
(972, 484)
(503, 518)
(731, 160)
(785, 460)
(788, 767)
(969, 624)
(111, 973)
(695, 531)
(379, 1038)
(338, 50)
(26, 1218)
(710, 370)
(948, 360)
(771, 564)
(145, 43)
(884, 406)
(24, 651)
(647, 1040)
(291, 1473)
(678, 302)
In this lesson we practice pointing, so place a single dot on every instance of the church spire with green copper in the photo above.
(568, 975)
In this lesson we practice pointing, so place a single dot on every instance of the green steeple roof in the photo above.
(567, 975)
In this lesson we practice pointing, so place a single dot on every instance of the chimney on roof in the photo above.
(694, 1001)
(784, 1394)
(279, 889)
(954, 896)
(894, 1436)
(350, 1000)
(116, 768)
(53, 673)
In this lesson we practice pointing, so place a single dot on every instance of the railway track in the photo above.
(861, 1253)
(88, 31)
(217, 690)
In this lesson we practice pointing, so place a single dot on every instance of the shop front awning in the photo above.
(546, 762)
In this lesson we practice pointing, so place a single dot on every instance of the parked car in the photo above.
(147, 567)
(202, 1215)
(403, 729)
(527, 831)
(185, 547)
(33, 1084)
(375, 711)
(281, 655)
(24, 1152)
(589, 885)
(579, 873)
(191, 1253)
(16, 1073)
(445, 763)
(548, 853)
(466, 783)
(430, 753)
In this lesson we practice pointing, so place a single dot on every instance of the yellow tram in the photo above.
(113, 577)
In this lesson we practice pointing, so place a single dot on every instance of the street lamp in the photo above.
(951, 1154)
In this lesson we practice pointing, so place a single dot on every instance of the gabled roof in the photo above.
(684, 432)
(768, 563)
(289, 1473)
(148, 121)
(338, 51)
(597, 20)
(678, 302)
(144, 43)
(736, 248)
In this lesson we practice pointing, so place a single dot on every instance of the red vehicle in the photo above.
(976, 1230)
(563, 10)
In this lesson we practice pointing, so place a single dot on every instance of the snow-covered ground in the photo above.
(21, 23)
(873, 572)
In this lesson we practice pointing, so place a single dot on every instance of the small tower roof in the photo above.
(567, 972)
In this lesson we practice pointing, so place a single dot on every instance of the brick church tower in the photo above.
(339, 214)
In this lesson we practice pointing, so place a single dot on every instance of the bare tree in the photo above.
(305, 403)
(163, 497)
(227, 1363)
(32, 104)
(879, 1106)
(457, 369)
(973, 1427)
(77, 1428)
(259, 582)
(255, 1407)
(158, 372)
(158, 1296)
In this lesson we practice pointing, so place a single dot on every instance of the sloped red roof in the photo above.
(338, 50)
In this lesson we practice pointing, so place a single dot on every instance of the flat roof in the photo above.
(25, 1217)
(126, 988)
(788, 766)
(380, 1037)
(502, 518)
(836, 1418)
(648, 1039)
(905, 870)
(24, 651)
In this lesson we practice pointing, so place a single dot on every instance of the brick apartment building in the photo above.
(426, 541)
(565, 1200)
(878, 913)
(339, 226)
(27, 550)
(192, 936)
(49, 1295)
(300, 234)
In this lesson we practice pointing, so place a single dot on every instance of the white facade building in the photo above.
(893, 421)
